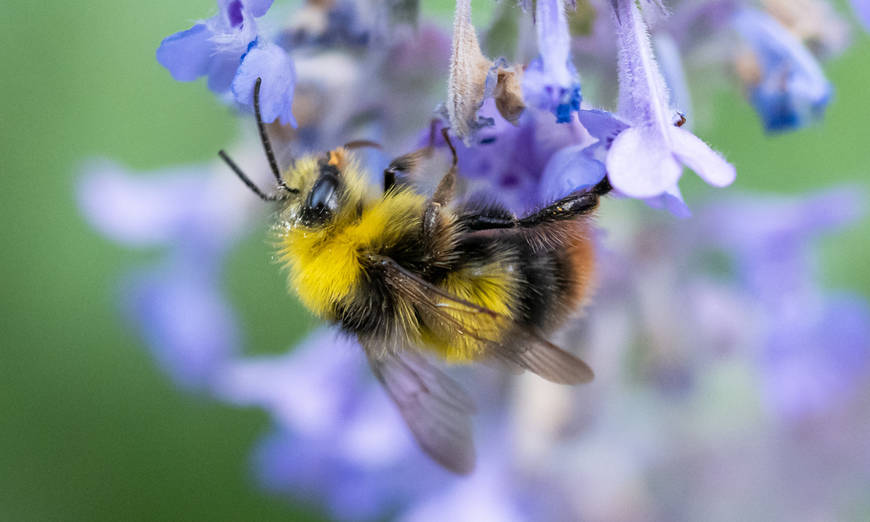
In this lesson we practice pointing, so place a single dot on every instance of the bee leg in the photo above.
(569, 207)
(389, 178)
(447, 186)
(443, 193)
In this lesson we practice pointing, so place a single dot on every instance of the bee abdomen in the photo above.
(557, 280)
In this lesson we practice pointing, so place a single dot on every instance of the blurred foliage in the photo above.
(92, 429)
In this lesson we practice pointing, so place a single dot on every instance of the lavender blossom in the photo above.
(271, 64)
(228, 49)
(647, 159)
(339, 438)
(550, 82)
(213, 47)
(511, 159)
(790, 89)
(178, 306)
(815, 346)
(184, 319)
(181, 207)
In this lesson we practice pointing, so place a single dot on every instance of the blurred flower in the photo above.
(177, 306)
(550, 81)
(182, 207)
(788, 89)
(647, 159)
(815, 345)
(339, 439)
(813, 363)
(183, 318)
(814, 22)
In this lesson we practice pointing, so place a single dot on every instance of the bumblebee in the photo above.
(409, 275)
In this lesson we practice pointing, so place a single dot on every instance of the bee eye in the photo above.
(323, 198)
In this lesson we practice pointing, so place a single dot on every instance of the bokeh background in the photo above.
(92, 429)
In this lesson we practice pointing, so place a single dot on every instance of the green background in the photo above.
(91, 428)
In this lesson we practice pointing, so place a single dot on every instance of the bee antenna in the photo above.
(267, 145)
(245, 179)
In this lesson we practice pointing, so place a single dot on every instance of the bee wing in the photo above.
(530, 351)
(522, 347)
(435, 407)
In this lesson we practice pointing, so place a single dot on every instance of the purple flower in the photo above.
(550, 81)
(647, 159)
(340, 439)
(184, 319)
(675, 76)
(791, 90)
(213, 47)
(270, 63)
(570, 169)
(513, 159)
(178, 307)
(813, 346)
(298, 388)
(488, 494)
(182, 206)
(813, 362)
(768, 237)
(228, 49)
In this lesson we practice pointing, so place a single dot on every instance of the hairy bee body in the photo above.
(336, 269)
(406, 273)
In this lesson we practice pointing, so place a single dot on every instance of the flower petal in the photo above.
(274, 66)
(187, 54)
(602, 125)
(699, 157)
(569, 170)
(640, 164)
(137, 210)
(257, 7)
(221, 71)
(675, 76)
(643, 97)
(278, 383)
(186, 322)
(672, 201)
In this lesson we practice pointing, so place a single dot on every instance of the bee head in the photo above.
(328, 185)
(313, 191)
